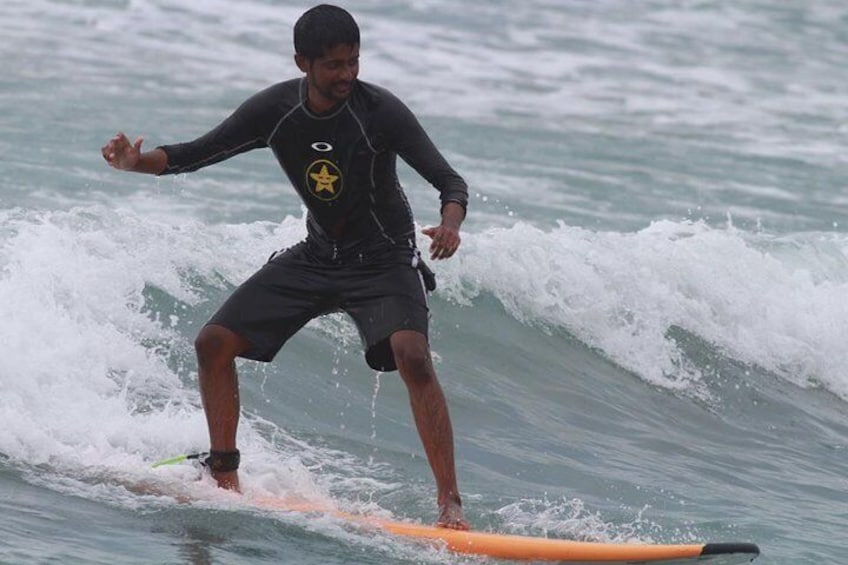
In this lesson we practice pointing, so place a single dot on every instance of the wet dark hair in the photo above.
(322, 28)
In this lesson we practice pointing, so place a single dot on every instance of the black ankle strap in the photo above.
(222, 461)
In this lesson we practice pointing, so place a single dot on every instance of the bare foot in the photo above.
(228, 480)
(450, 516)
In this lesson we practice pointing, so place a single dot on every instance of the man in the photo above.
(337, 140)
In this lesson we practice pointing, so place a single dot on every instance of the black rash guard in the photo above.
(342, 163)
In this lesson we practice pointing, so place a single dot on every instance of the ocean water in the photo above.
(642, 338)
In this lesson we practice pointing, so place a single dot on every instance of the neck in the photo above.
(317, 103)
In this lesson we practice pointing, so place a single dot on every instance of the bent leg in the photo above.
(217, 347)
(430, 411)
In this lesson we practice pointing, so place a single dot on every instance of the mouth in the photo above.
(343, 87)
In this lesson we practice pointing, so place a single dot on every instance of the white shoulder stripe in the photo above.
(279, 123)
(215, 157)
(361, 128)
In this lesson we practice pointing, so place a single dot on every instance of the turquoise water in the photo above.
(641, 339)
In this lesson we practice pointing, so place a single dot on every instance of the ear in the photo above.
(301, 62)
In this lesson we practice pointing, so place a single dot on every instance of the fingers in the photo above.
(119, 142)
(117, 148)
(114, 146)
(445, 242)
(444, 251)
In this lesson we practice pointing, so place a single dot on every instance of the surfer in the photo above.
(337, 139)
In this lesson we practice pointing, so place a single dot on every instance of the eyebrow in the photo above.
(340, 60)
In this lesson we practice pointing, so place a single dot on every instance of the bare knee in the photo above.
(216, 345)
(412, 355)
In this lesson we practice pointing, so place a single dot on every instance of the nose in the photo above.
(349, 72)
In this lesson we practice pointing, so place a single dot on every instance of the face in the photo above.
(331, 76)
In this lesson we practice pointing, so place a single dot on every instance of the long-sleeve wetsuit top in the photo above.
(343, 163)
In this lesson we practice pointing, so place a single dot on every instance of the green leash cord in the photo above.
(179, 459)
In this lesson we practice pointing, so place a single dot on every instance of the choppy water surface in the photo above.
(642, 338)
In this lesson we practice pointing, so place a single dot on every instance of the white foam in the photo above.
(89, 390)
(570, 519)
(84, 367)
(777, 303)
(86, 375)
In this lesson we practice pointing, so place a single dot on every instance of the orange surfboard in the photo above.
(528, 548)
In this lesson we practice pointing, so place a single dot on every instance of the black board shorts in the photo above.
(383, 294)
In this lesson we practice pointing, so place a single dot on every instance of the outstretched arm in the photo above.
(126, 156)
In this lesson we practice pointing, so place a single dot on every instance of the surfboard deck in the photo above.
(528, 548)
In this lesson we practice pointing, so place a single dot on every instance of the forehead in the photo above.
(342, 51)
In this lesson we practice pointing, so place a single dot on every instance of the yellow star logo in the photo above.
(324, 180)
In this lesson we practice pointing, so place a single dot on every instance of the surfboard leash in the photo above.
(199, 457)
(223, 461)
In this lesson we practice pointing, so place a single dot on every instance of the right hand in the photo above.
(120, 153)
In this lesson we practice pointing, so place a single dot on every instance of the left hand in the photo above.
(445, 237)
(445, 242)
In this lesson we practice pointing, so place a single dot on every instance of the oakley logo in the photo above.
(322, 146)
